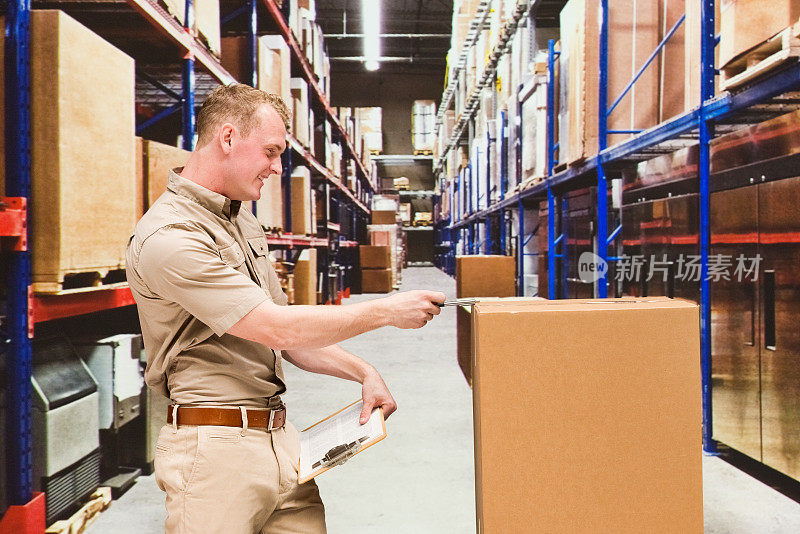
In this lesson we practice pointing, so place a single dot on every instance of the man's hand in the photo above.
(413, 309)
(375, 394)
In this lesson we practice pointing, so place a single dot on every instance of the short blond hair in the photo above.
(236, 103)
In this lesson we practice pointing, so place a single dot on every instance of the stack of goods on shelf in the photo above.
(371, 125)
(302, 126)
(309, 35)
(376, 268)
(269, 207)
(401, 183)
(405, 213)
(303, 210)
(364, 126)
(286, 278)
(423, 122)
(305, 277)
(443, 133)
(154, 162)
(206, 21)
(755, 37)
(534, 128)
(596, 395)
(633, 35)
(84, 168)
(274, 63)
(384, 231)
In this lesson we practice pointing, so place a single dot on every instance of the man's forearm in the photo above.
(331, 360)
(310, 327)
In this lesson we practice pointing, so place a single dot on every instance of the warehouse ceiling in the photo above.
(416, 34)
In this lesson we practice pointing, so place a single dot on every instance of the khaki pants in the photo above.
(220, 481)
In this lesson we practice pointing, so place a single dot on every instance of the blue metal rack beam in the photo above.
(707, 73)
(18, 443)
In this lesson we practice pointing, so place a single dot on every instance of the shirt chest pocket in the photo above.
(258, 246)
(269, 280)
(233, 256)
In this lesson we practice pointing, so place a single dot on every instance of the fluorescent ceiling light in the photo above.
(371, 28)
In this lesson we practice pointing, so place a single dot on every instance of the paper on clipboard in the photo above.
(336, 438)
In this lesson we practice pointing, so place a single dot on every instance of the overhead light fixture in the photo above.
(371, 28)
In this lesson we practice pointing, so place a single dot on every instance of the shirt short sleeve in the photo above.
(183, 264)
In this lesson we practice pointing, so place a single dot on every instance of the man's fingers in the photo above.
(389, 408)
(366, 411)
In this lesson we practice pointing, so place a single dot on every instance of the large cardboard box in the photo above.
(371, 123)
(464, 333)
(159, 159)
(83, 170)
(375, 257)
(672, 70)
(745, 24)
(269, 208)
(302, 219)
(300, 128)
(206, 18)
(274, 67)
(376, 280)
(633, 35)
(384, 216)
(485, 276)
(305, 277)
(587, 416)
(692, 51)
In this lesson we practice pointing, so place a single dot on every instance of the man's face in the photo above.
(257, 157)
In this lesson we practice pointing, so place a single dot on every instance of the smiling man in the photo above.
(216, 328)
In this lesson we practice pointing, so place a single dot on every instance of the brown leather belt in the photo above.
(271, 419)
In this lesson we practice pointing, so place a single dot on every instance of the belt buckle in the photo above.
(269, 422)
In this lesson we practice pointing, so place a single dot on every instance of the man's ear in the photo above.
(226, 134)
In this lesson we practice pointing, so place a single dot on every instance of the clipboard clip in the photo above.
(340, 454)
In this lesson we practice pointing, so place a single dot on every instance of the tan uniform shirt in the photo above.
(197, 263)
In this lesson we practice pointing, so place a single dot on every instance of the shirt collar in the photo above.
(217, 204)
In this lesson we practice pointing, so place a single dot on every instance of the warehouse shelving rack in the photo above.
(23, 308)
(694, 126)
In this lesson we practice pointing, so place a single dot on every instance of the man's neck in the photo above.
(200, 171)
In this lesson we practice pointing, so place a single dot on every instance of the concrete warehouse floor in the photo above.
(421, 478)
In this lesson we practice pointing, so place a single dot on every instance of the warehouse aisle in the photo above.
(420, 479)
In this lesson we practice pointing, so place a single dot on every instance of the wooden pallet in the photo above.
(767, 56)
(89, 512)
(74, 281)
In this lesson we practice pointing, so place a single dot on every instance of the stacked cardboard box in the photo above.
(423, 120)
(305, 277)
(633, 35)
(376, 268)
(464, 334)
(269, 207)
(485, 276)
(386, 235)
(534, 132)
(301, 127)
(613, 441)
(158, 159)
(371, 122)
(302, 207)
(83, 170)
(206, 21)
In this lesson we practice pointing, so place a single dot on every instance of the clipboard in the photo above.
(337, 438)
